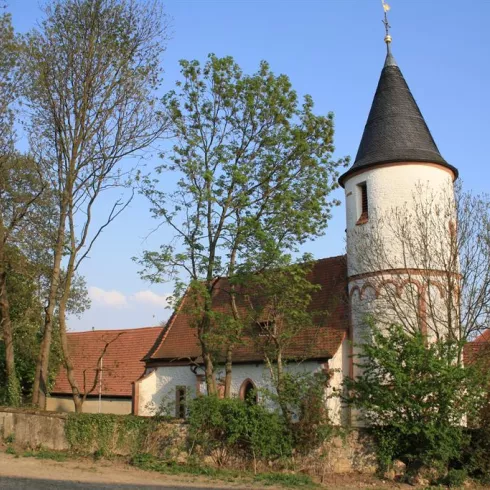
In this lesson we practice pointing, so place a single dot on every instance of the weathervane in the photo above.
(386, 9)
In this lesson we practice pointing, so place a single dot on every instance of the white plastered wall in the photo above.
(389, 188)
(159, 385)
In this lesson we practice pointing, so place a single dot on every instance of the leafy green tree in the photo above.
(415, 396)
(93, 69)
(8, 83)
(253, 170)
(21, 206)
(280, 313)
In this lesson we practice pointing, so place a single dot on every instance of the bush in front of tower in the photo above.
(416, 399)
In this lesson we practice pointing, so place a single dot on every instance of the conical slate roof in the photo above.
(395, 130)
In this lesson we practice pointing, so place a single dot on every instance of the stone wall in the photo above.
(33, 429)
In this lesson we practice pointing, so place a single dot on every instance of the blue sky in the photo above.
(334, 51)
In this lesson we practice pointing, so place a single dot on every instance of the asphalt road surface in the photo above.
(14, 483)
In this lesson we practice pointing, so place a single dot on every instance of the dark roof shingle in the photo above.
(395, 130)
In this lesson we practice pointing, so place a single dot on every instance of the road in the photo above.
(14, 483)
(21, 473)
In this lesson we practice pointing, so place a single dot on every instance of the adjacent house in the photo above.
(479, 349)
(117, 354)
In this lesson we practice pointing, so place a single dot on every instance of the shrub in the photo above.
(415, 397)
(222, 427)
(301, 399)
(455, 478)
(105, 434)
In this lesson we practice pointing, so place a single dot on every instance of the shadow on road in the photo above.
(12, 483)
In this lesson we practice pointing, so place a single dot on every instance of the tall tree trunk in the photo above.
(40, 387)
(209, 371)
(202, 330)
(70, 369)
(13, 386)
(228, 371)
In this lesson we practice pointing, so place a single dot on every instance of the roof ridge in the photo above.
(135, 329)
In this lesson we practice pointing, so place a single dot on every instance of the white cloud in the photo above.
(117, 299)
(107, 298)
(149, 297)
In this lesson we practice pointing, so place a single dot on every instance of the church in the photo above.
(397, 156)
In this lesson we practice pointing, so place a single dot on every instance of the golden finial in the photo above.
(386, 9)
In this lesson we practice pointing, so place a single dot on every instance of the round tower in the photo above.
(400, 214)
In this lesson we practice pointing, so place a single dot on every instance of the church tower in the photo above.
(398, 166)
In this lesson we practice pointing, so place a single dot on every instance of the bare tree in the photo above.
(94, 69)
(89, 388)
(435, 254)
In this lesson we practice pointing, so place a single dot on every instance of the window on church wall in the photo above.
(363, 203)
(180, 405)
(248, 392)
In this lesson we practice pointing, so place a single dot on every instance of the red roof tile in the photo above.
(179, 341)
(478, 348)
(122, 363)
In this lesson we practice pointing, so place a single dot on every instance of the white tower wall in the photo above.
(386, 281)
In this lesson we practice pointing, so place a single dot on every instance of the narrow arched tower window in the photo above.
(363, 203)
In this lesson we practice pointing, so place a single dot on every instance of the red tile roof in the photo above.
(478, 348)
(122, 363)
(179, 341)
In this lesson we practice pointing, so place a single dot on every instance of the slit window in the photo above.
(180, 408)
(364, 203)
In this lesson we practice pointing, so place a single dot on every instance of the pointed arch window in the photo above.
(248, 392)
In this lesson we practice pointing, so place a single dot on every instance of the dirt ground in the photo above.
(117, 473)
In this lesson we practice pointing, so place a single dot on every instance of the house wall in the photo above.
(120, 406)
(158, 387)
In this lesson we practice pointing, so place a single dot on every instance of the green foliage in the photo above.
(416, 397)
(455, 478)
(8, 82)
(253, 172)
(102, 434)
(250, 157)
(151, 463)
(13, 391)
(301, 398)
(279, 298)
(224, 426)
(289, 480)
(46, 454)
(11, 450)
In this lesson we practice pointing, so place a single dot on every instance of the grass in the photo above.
(150, 463)
(286, 480)
(46, 454)
(11, 450)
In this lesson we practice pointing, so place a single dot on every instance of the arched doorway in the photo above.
(248, 392)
